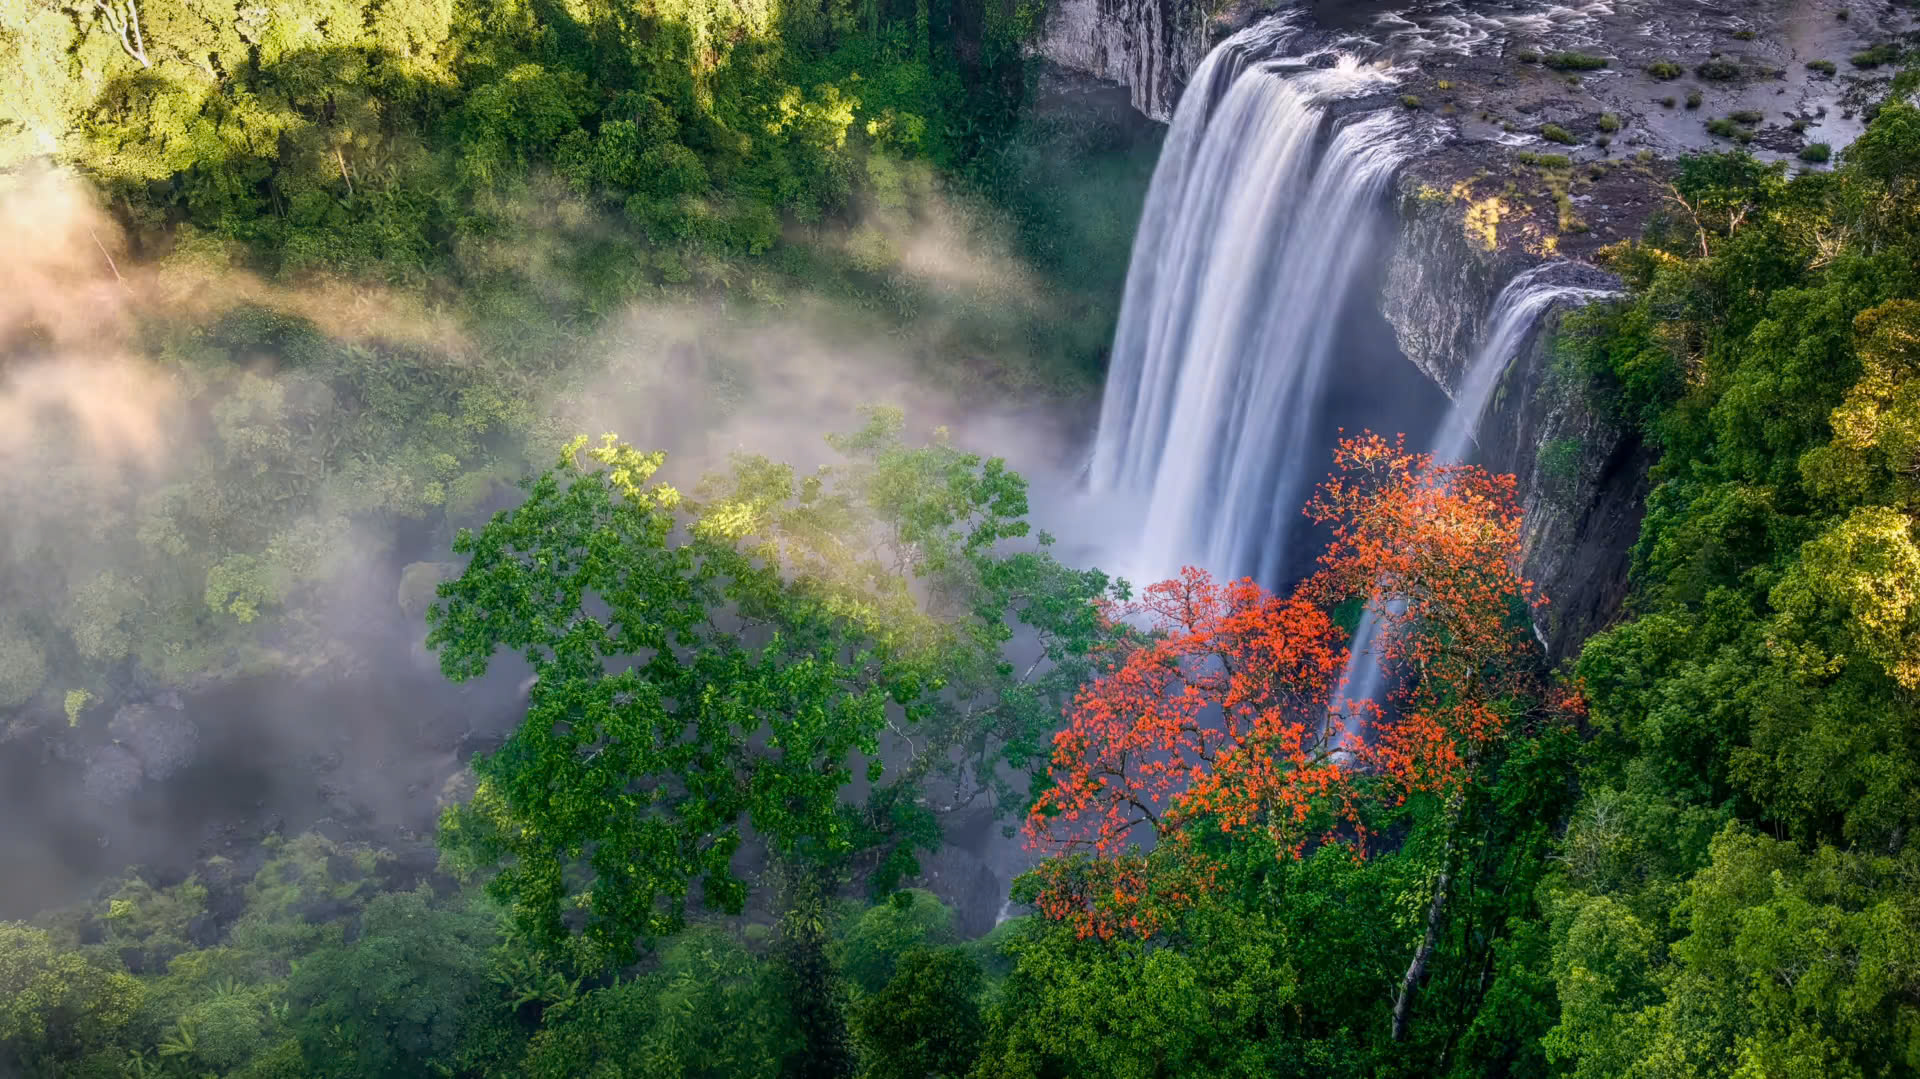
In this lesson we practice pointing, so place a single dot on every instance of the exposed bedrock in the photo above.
(1583, 485)
(1148, 46)
(1582, 479)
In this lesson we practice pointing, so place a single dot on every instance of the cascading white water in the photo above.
(1255, 228)
(1515, 315)
(1516, 312)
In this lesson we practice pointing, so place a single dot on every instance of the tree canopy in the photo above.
(708, 666)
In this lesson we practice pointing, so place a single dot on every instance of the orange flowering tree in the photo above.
(1218, 710)
(1434, 552)
(1220, 714)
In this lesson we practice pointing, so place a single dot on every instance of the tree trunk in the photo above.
(1403, 1003)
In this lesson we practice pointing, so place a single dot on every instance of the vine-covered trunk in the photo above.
(1409, 982)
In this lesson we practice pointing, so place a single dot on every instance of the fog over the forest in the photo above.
(343, 718)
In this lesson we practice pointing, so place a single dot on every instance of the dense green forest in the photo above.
(377, 255)
(1685, 855)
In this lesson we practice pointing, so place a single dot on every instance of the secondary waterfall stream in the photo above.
(1256, 227)
(1516, 314)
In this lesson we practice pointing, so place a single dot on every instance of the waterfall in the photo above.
(1516, 313)
(1257, 224)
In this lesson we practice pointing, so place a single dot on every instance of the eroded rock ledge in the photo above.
(1149, 46)
(1582, 478)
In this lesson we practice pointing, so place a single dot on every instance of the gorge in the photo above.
(928, 675)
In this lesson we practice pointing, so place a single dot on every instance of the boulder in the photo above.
(111, 776)
(161, 737)
(417, 583)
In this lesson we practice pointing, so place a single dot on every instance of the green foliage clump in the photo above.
(1749, 788)
(1884, 53)
(709, 1009)
(1816, 152)
(1545, 161)
(847, 641)
(57, 1006)
(1556, 133)
(1609, 122)
(1717, 69)
(23, 667)
(1409, 101)
(1574, 61)
(76, 702)
(396, 1000)
(926, 1020)
(873, 943)
(1694, 98)
(1665, 70)
(1560, 463)
(1822, 67)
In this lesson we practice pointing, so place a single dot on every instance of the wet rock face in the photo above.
(1582, 480)
(1148, 46)
(415, 592)
(1440, 282)
(111, 776)
(160, 736)
(1583, 487)
(152, 741)
(964, 881)
(972, 870)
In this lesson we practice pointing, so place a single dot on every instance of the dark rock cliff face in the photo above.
(1148, 46)
(1441, 279)
(1583, 485)
(1582, 480)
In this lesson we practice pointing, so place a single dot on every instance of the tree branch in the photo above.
(123, 18)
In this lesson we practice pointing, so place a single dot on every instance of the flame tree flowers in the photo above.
(1219, 711)
(1217, 727)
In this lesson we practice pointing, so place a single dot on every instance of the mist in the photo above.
(210, 630)
(202, 646)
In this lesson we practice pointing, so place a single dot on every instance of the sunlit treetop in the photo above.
(715, 664)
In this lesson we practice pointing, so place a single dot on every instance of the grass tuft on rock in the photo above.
(1575, 61)
(1883, 53)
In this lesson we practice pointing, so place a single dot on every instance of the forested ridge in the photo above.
(371, 256)
(375, 255)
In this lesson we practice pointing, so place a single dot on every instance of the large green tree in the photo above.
(705, 667)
